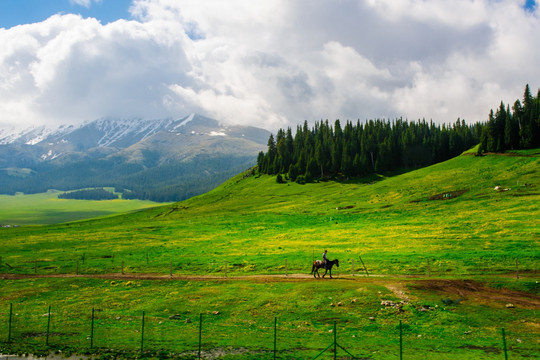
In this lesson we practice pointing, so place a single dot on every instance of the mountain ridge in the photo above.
(124, 152)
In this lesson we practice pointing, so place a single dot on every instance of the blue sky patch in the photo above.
(530, 5)
(18, 12)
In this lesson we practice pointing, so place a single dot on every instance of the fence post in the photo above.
(428, 268)
(352, 267)
(335, 340)
(200, 334)
(286, 270)
(517, 270)
(77, 272)
(362, 261)
(146, 258)
(226, 266)
(142, 333)
(400, 341)
(122, 267)
(92, 331)
(170, 270)
(275, 337)
(504, 344)
(35, 266)
(48, 325)
(9, 326)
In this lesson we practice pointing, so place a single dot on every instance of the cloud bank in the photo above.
(272, 63)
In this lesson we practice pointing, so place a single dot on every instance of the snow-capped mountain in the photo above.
(115, 149)
(121, 133)
(28, 136)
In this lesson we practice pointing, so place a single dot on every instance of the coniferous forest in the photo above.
(378, 146)
(89, 194)
(514, 129)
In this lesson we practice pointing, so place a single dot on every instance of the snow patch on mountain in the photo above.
(50, 155)
(118, 133)
(183, 123)
(218, 133)
(29, 136)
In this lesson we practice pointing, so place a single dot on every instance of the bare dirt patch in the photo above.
(448, 195)
(473, 290)
(400, 291)
(117, 276)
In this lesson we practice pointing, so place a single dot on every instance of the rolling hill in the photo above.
(449, 212)
(441, 245)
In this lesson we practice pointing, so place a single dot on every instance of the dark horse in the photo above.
(317, 264)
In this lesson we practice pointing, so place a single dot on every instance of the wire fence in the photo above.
(265, 265)
(208, 336)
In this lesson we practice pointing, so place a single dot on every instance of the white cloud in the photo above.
(85, 3)
(449, 12)
(273, 63)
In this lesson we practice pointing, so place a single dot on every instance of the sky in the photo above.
(269, 64)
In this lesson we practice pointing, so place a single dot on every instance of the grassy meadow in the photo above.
(440, 239)
(238, 318)
(46, 208)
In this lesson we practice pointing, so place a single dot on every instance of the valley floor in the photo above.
(237, 316)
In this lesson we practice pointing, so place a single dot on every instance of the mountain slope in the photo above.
(163, 159)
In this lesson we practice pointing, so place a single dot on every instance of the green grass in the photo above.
(252, 225)
(241, 314)
(46, 208)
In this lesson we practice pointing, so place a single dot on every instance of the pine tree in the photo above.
(498, 130)
(337, 148)
(347, 167)
(511, 132)
(311, 170)
(271, 156)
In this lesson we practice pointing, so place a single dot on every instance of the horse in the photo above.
(317, 264)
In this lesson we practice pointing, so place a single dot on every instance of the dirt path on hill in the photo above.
(400, 285)
(119, 276)
(470, 290)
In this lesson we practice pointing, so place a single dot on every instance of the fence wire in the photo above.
(28, 329)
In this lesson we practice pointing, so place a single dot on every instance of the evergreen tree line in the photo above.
(362, 149)
(378, 146)
(89, 194)
(514, 129)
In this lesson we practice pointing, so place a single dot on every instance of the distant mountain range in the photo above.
(160, 160)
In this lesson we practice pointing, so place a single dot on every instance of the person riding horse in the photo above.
(325, 263)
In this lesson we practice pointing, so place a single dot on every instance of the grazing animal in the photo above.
(317, 264)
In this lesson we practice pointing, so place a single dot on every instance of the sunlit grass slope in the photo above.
(448, 214)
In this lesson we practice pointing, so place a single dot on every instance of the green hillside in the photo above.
(441, 240)
(394, 223)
